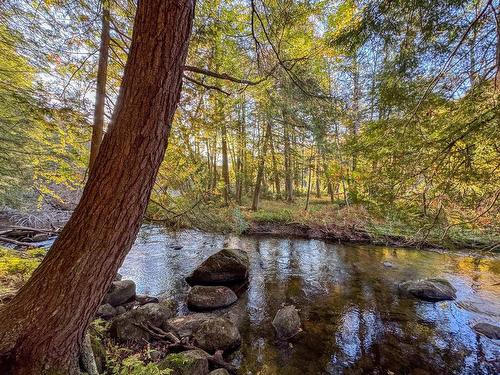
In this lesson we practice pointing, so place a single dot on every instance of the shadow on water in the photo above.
(353, 318)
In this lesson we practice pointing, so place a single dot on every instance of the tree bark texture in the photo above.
(42, 328)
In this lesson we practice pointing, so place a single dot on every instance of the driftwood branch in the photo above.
(25, 236)
(18, 243)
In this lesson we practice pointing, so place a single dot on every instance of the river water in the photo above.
(354, 321)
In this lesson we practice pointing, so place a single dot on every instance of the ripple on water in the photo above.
(354, 320)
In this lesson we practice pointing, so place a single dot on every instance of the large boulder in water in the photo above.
(210, 297)
(217, 334)
(432, 290)
(120, 292)
(489, 330)
(225, 266)
(127, 327)
(191, 362)
(287, 322)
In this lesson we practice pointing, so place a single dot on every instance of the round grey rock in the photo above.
(287, 322)
(210, 297)
(186, 325)
(127, 327)
(225, 266)
(432, 290)
(217, 334)
(120, 292)
(106, 311)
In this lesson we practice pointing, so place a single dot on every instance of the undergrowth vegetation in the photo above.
(16, 267)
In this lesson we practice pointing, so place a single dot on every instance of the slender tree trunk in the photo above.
(318, 179)
(309, 182)
(288, 162)
(225, 165)
(497, 53)
(100, 96)
(260, 172)
(42, 328)
(356, 109)
(329, 184)
(209, 165)
(275, 167)
(214, 163)
(241, 155)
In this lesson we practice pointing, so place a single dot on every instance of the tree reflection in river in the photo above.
(354, 320)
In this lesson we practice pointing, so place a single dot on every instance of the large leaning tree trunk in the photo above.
(42, 328)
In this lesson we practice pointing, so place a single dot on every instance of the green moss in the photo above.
(179, 359)
(280, 216)
(14, 262)
(16, 267)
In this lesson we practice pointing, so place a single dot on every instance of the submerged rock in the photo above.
(432, 290)
(210, 297)
(226, 266)
(489, 330)
(217, 333)
(191, 362)
(185, 325)
(120, 292)
(127, 327)
(106, 311)
(287, 322)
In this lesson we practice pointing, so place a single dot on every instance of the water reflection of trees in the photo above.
(353, 318)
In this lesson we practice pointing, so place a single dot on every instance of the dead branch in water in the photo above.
(25, 236)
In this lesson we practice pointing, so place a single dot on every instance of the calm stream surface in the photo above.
(353, 318)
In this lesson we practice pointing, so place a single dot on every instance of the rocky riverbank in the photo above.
(205, 338)
(206, 327)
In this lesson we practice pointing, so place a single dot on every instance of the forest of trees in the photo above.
(387, 109)
(386, 105)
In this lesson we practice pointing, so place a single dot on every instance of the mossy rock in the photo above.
(191, 362)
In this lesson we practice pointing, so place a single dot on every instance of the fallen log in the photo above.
(18, 243)
(25, 236)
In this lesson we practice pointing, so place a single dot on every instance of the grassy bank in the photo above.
(358, 223)
(338, 222)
